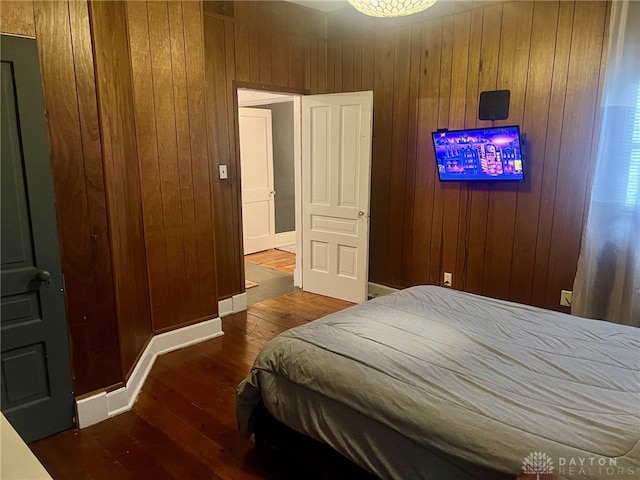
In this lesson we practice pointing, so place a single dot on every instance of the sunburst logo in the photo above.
(537, 463)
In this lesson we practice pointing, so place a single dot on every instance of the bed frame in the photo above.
(301, 456)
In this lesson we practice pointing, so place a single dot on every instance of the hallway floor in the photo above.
(272, 271)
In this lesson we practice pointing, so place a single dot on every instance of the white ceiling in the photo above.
(322, 5)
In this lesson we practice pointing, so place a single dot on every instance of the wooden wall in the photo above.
(275, 45)
(124, 94)
(132, 169)
(518, 242)
(115, 102)
(167, 67)
(515, 241)
(66, 63)
(17, 18)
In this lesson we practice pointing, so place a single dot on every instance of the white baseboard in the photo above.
(377, 290)
(235, 304)
(225, 307)
(285, 238)
(99, 407)
(239, 302)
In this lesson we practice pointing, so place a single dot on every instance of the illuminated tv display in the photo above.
(492, 153)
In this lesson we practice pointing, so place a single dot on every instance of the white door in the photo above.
(256, 162)
(336, 164)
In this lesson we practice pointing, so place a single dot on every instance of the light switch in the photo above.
(223, 171)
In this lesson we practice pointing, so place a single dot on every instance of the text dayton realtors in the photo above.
(592, 466)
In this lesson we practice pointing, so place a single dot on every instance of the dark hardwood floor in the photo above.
(183, 425)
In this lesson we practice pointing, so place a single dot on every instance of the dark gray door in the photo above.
(37, 392)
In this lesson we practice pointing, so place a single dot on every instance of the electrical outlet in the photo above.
(565, 298)
(448, 279)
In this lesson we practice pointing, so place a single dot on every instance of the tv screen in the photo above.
(492, 153)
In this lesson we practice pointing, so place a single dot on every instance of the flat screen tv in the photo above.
(492, 153)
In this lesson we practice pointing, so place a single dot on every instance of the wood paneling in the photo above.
(201, 166)
(552, 150)
(583, 77)
(517, 242)
(228, 244)
(129, 152)
(17, 18)
(536, 115)
(66, 62)
(399, 136)
(152, 136)
(512, 75)
(118, 131)
(167, 67)
(96, 196)
(277, 45)
(382, 128)
(424, 212)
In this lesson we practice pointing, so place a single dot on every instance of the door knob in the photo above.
(361, 213)
(43, 275)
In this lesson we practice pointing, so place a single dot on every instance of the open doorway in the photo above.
(332, 165)
(269, 134)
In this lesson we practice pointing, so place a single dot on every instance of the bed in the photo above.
(434, 383)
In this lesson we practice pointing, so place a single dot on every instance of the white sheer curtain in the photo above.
(607, 284)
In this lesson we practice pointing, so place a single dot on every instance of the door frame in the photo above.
(297, 162)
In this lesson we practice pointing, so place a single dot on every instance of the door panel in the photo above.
(320, 138)
(256, 162)
(336, 163)
(37, 396)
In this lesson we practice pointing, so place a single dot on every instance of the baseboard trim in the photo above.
(225, 307)
(235, 304)
(285, 238)
(239, 302)
(377, 290)
(99, 407)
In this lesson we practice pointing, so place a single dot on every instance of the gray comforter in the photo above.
(409, 383)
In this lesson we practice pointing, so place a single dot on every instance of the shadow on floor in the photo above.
(271, 283)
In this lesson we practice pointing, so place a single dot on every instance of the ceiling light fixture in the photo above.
(391, 8)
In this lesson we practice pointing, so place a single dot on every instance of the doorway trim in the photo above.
(297, 162)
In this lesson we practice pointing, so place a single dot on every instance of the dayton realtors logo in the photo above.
(537, 463)
(596, 467)
(541, 464)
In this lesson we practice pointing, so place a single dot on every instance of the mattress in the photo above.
(430, 380)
